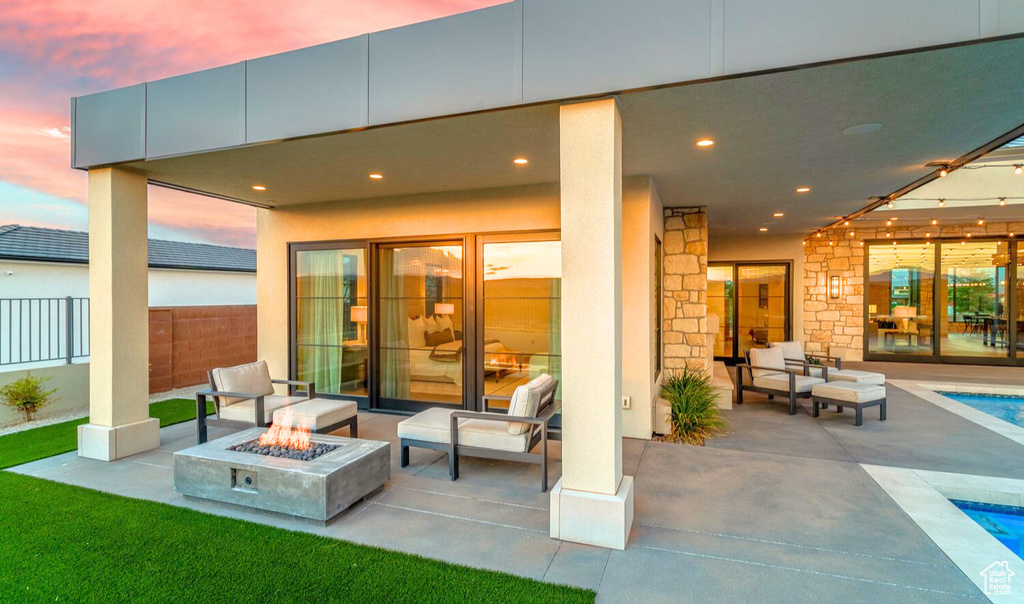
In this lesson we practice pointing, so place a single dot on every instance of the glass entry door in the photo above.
(752, 303)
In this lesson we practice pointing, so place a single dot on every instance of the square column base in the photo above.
(593, 518)
(107, 443)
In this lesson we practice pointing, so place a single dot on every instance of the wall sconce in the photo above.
(834, 286)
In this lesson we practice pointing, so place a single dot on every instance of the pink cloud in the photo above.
(61, 48)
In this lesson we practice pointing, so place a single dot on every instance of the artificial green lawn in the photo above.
(69, 544)
(46, 441)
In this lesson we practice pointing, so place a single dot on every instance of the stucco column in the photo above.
(119, 423)
(593, 502)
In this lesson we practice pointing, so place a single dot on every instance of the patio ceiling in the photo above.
(774, 132)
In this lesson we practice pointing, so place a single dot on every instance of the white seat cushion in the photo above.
(245, 411)
(792, 351)
(852, 392)
(253, 378)
(770, 359)
(525, 402)
(781, 382)
(860, 377)
(317, 413)
(434, 425)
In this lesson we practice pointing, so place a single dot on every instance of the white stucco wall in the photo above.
(166, 287)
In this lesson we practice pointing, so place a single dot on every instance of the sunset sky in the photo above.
(51, 50)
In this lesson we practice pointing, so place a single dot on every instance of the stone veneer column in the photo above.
(592, 503)
(834, 325)
(686, 288)
(119, 423)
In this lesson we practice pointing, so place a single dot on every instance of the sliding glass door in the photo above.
(420, 325)
(403, 326)
(944, 300)
(330, 312)
(521, 319)
(752, 303)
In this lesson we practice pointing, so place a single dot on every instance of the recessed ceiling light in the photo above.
(778, 214)
(376, 176)
(705, 142)
(865, 128)
(763, 229)
(259, 188)
(520, 161)
(803, 189)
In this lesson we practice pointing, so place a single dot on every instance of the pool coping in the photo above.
(924, 495)
(929, 391)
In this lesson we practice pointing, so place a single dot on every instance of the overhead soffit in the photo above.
(773, 132)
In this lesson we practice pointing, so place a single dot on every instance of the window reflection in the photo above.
(973, 285)
(330, 305)
(901, 283)
(522, 320)
(421, 344)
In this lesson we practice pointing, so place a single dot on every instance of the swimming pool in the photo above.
(1007, 408)
(1004, 522)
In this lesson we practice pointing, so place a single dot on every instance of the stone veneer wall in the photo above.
(838, 326)
(685, 283)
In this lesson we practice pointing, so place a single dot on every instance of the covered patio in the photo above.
(814, 522)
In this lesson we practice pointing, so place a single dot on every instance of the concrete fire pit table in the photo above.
(316, 489)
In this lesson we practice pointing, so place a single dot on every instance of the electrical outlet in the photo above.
(626, 402)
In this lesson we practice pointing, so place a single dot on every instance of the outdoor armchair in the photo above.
(244, 397)
(768, 372)
(489, 434)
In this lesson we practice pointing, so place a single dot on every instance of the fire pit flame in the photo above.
(283, 435)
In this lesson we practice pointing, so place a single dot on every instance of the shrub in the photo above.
(27, 395)
(812, 360)
(694, 414)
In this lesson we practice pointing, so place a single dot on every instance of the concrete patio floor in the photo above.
(778, 509)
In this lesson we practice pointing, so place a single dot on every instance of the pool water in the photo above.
(1004, 522)
(1007, 408)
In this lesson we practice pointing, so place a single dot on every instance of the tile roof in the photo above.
(54, 245)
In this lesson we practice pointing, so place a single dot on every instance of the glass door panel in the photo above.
(721, 302)
(901, 285)
(762, 308)
(330, 320)
(1018, 296)
(973, 286)
(522, 285)
(420, 333)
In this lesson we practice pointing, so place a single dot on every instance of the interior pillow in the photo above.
(445, 322)
(416, 327)
(430, 325)
(438, 337)
(770, 358)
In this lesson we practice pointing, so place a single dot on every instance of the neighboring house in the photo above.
(44, 287)
(449, 208)
(52, 263)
